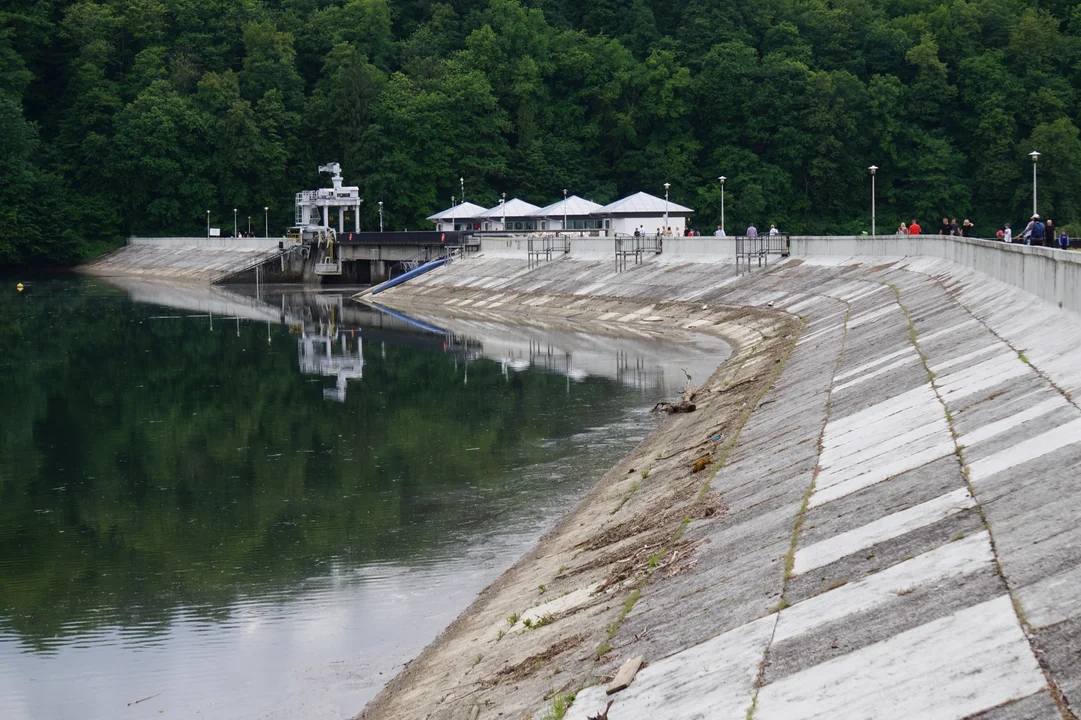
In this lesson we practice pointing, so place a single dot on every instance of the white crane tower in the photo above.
(309, 216)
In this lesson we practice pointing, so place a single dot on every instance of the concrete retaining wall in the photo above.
(1050, 274)
(212, 242)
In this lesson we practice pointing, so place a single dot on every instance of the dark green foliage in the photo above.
(137, 116)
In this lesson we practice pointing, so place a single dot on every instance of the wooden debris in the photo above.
(701, 463)
(624, 676)
(682, 406)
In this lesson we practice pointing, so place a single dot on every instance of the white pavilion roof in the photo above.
(515, 207)
(643, 203)
(462, 210)
(573, 206)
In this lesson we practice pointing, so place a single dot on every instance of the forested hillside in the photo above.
(137, 116)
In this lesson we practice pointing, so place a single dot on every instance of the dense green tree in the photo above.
(143, 114)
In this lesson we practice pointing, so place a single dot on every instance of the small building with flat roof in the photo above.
(463, 216)
(644, 211)
(513, 215)
(575, 211)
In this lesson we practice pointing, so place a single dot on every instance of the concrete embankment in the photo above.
(201, 260)
(887, 524)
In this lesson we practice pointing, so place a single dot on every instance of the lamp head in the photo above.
(873, 169)
(722, 178)
(1034, 155)
(266, 209)
(667, 185)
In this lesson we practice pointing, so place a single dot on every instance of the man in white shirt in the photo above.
(772, 230)
(1007, 234)
(720, 232)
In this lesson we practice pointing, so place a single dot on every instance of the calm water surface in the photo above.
(222, 507)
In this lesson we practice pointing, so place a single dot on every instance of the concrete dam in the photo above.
(874, 509)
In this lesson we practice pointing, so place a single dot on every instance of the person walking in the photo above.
(966, 228)
(772, 230)
(1007, 234)
(752, 231)
(719, 232)
(1063, 241)
(945, 227)
(1049, 233)
(903, 230)
(914, 228)
(1037, 231)
(955, 229)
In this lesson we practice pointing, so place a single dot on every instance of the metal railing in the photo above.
(760, 248)
(636, 246)
(545, 246)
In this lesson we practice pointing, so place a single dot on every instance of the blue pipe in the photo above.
(408, 275)
(410, 320)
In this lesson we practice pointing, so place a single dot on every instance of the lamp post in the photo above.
(666, 186)
(873, 168)
(1035, 156)
(503, 209)
(452, 214)
(249, 226)
(234, 222)
(722, 178)
(208, 223)
(266, 222)
(380, 216)
(564, 209)
(461, 182)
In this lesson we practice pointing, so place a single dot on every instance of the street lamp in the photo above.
(722, 178)
(249, 226)
(1034, 155)
(873, 168)
(666, 186)
(234, 222)
(503, 209)
(208, 223)
(461, 182)
(452, 213)
(564, 209)
(380, 216)
(266, 222)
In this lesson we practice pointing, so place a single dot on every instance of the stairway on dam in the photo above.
(896, 520)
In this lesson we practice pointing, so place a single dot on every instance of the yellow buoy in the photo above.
(19, 287)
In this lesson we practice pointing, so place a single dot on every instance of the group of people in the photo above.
(949, 227)
(640, 231)
(1038, 232)
(752, 231)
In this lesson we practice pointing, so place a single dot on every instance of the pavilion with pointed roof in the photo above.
(645, 212)
(514, 214)
(463, 216)
(574, 213)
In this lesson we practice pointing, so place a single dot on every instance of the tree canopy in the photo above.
(137, 116)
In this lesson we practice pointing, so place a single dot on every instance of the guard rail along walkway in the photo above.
(760, 248)
(636, 246)
(545, 246)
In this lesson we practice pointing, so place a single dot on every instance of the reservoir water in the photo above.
(227, 507)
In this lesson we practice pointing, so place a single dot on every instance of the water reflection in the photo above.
(251, 507)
